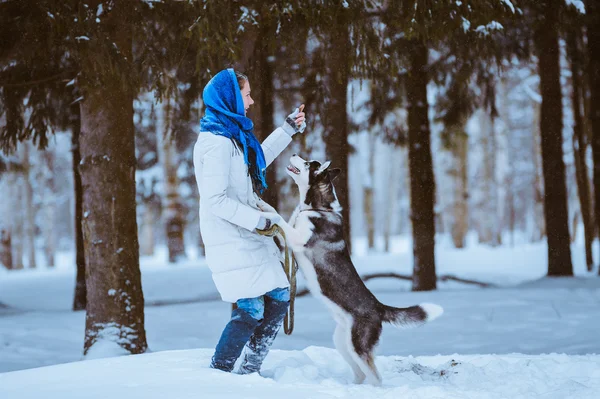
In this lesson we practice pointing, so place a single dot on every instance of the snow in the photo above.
(105, 348)
(510, 5)
(466, 24)
(578, 4)
(314, 372)
(533, 337)
(487, 29)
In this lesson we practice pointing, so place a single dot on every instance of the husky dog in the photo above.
(315, 234)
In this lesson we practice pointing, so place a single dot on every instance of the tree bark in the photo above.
(490, 228)
(593, 30)
(29, 229)
(16, 221)
(422, 183)
(49, 211)
(459, 174)
(580, 146)
(539, 228)
(5, 249)
(257, 62)
(171, 202)
(368, 184)
(555, 191)
(393, 177)
(264, 107)
(80, 297)
(335, 115)
(149, 215)
(115, 302)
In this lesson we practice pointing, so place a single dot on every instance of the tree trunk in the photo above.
(393, 177)
(115, 302)
(593, 30)
(172, 204)
(264, 107)
(422, 183)
(489, 231)
(539, 228)
(368, 193)
(580, 146)
(147, 241)
(5, 249)
(79, 299)
(16, 220)
(29, 210)
(335, 116)
(574, 224)
(49, 211)
(459, 173)
(555, 191)
(257, 62)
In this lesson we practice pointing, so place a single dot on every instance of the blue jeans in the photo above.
(254, 324)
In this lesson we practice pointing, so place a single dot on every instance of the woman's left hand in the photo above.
(262, 205)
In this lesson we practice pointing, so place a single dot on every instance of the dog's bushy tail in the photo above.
(412, 316)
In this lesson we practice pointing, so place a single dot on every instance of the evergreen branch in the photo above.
(32, 82)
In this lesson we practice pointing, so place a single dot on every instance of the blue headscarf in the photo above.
(224, 116)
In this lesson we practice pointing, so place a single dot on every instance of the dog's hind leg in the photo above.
(341, 341)
(365, 334)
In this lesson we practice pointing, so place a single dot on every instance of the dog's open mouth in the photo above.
(293, 169)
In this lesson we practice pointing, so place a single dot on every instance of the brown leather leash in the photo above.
(290, 269)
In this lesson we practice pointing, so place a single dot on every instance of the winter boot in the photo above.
(232, 341)
(260, 342)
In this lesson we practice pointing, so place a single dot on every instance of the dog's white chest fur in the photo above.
(301, 222)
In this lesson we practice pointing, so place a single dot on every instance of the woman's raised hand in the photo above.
(296, 121)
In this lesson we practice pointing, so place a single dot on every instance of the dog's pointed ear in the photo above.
(323, 167)
(333, 173)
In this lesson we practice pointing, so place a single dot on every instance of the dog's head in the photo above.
(312, 177)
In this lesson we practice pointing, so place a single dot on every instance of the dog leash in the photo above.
(290, 272)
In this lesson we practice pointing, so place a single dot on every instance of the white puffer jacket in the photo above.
(244, 264)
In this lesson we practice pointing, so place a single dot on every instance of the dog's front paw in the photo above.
(263, 206)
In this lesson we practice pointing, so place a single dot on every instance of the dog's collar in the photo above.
(316, 210)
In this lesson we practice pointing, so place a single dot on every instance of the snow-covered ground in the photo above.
(314, 372)
(494, 335)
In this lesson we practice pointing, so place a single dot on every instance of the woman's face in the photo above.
(248, 101)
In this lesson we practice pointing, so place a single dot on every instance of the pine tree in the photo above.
(412, 28)
(555, 193)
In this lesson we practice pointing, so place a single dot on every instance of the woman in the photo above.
(230, 167)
